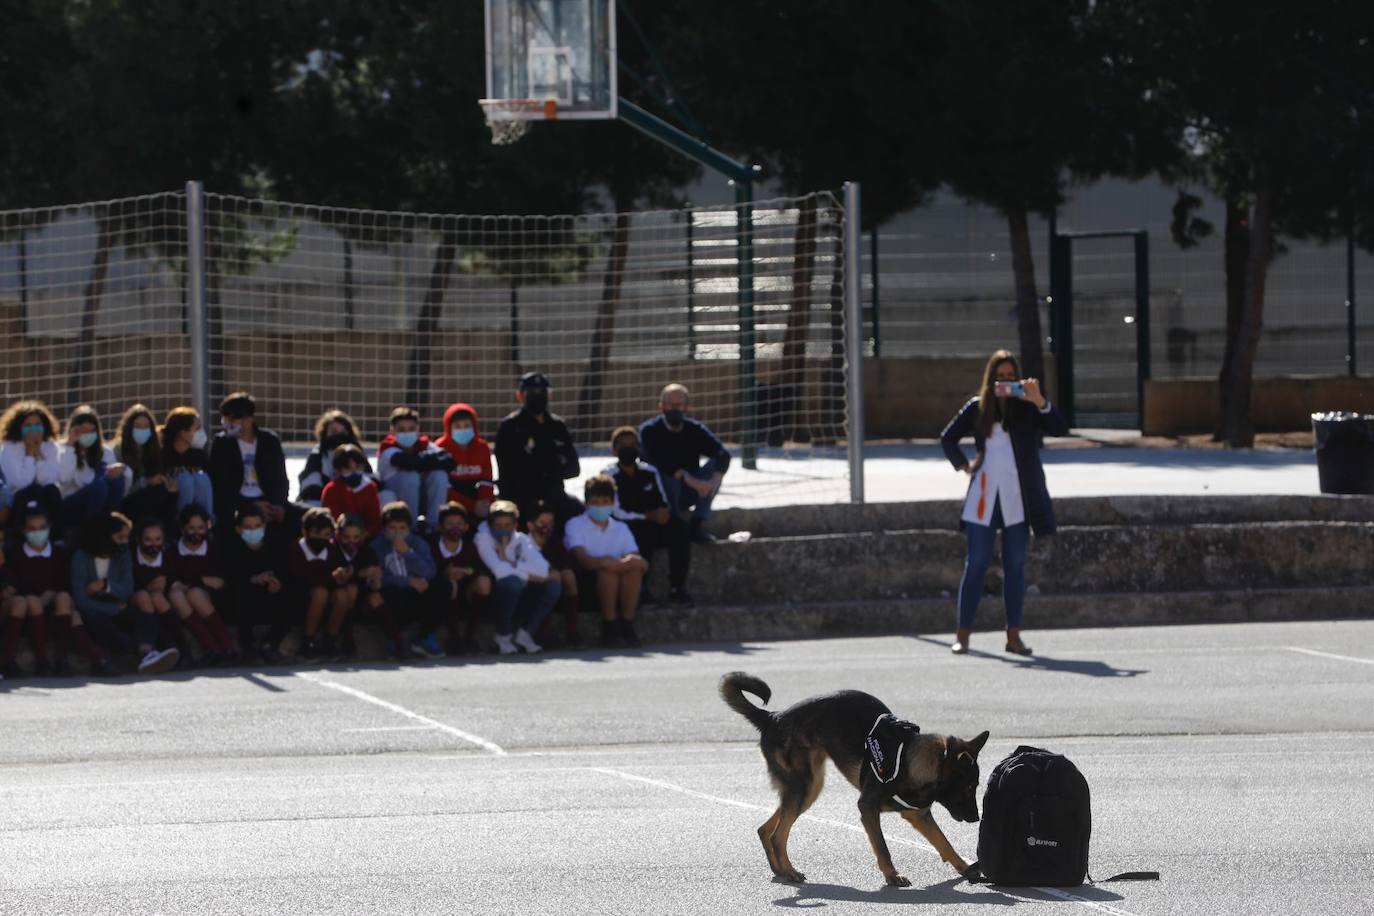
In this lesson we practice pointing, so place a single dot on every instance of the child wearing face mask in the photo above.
(311, 566)
(333, 429)
(605, 547)
(196, 581)
(413, 469)
(151, 585)
(256, 577)
(103, 588)
(462, 587)
(149, 491)
(41, 574)
(525, 590)
(352, 491)
(358, 573)
(543, 529)
(91, 480)
(185, 459)
(28, 459)
(407, 571)
(470, 483)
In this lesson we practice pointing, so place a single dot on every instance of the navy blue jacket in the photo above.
(1025, 425)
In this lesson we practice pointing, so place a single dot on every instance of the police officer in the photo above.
(535, 453)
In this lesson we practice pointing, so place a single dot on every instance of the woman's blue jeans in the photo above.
(1015, 540)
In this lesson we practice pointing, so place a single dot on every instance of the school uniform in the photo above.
(253, 604)
(148, 569)
(191, 566)
(309, 569)
(33, 572)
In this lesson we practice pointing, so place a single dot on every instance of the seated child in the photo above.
(311, 568)
(525, 591)
(358, 573)
(605, 547)
(463, 585)
(407, 567)
(194, 573)
(39, 573)
(352, 490)
(255, 573)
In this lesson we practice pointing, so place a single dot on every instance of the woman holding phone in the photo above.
(1006, 486)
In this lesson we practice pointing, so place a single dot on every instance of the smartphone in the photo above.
(1009, 390)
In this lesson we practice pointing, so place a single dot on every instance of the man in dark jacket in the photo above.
(676, 444)
(535, 453)
(248, 467)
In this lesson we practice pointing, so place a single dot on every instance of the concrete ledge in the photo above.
(1175, 407)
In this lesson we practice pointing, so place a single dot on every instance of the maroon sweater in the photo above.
(307, 571)
(465, 557)
(363, 558)
(191, 570)
(146, 574)
(36, 575)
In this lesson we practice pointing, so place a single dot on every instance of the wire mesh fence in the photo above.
(311, 308)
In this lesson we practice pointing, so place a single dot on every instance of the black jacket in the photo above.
(671, 451)
(319, 470)
(226, 471)
(639, 495)
(534, 458)
(1025, 425)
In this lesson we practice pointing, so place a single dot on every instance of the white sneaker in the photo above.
(505, 646)
(156, 662)
(525, 641)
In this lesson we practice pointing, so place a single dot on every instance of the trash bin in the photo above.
(1345, 452)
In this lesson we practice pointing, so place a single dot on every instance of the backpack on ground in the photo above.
(1037, 821)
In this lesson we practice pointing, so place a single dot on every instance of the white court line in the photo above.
(470, 738)
(907, 841)
(1342, 658)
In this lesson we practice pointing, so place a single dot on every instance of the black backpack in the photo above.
(1037, 820)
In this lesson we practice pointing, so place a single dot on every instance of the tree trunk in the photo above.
(590, 418)
(427, 324)
(798, 320)
(1237, 253)
(1237, 427)
(1032, 341)
(90, 311)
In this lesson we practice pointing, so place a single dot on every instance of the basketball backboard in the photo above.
(550, 59)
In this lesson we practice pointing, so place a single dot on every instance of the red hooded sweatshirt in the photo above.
(471, 478)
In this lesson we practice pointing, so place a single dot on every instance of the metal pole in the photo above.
(1350, 301)
(195, 297)
(854, 340)
(873, 270)
(1061, 316)
(691, 286)
(744, 240)
(1142, 322)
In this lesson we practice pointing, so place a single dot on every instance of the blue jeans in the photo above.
(99, 497)
(682, 497)
(1015, 539)
(6, 498)
(528, 603)
(195, 487)
(423, 491)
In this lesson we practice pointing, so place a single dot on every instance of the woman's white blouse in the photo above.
(995, 480)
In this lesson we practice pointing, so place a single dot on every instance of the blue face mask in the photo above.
(502, 535)
(674, 417)
(407, 440)
(353, 480)
(397, 535)
(253, 536)
(600, 513)
(87, 439)
(38, 538)
(141, 436)
(464, 436)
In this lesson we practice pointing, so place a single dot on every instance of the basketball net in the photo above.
(510, 119)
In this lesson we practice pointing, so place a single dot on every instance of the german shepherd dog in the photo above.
(796, 741)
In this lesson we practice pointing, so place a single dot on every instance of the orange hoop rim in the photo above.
(512, 109)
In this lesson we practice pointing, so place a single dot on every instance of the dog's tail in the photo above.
(732, 689)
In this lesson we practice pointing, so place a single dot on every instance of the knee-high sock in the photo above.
(215, 624)
(13, 627)
(477, 609)
(571, 608)
(84, 645)
(38, 637)
(196, 624)
(387, 620)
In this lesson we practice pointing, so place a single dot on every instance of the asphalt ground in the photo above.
(1237, 760)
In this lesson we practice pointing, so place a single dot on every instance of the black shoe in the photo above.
(700, 535)
(678, 597)
(572, 641)
(268, 654)
(628, 634)
(102, 667)
(329, 650)
(646, 598)
(309, 651)
(11, 672)
(41, 668)
(611, 637)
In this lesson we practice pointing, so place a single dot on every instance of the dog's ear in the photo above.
(976, 744)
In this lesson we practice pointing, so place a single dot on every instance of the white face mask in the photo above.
(198, 439)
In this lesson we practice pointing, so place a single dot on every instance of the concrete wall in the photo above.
(1185, 406)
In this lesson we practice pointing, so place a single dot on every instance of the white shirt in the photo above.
(322, 555)
(523, 557)
(141, 560)
(102, 567)
(614, 540)
(996, 481)
(22, 469)
(71, 478)
(186, 551)
(249, 453)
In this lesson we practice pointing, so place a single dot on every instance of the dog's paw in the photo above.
(896, 879)
(792, 875)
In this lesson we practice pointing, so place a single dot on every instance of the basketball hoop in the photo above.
(510, 119)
